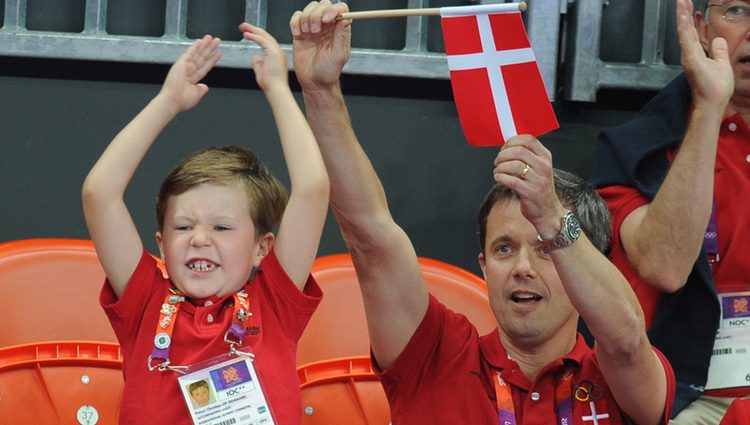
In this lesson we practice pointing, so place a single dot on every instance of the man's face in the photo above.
(525, 291)
(736, 31)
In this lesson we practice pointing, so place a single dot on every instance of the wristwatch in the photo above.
(569, 233)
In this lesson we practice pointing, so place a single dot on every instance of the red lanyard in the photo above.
(168, 318)
(563, 400)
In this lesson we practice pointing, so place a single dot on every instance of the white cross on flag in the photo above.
(497, 86)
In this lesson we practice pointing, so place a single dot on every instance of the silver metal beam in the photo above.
(256, 12)
(655, 29)
(175, 25)
(587, 73)
(637, 76)
(543, 28)
(94, 43)
(96, 17)
(236, 53)
(416, 28)
(583, 63)
(15, 15)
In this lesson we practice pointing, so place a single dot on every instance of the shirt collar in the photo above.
(495, 354)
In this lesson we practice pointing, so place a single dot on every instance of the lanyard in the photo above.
(563, 400)
(711, 237)
(168, 318)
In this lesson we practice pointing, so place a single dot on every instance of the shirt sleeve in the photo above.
(126, 312)
(621, 200)
(671, 385)
(440, 339)
(293, 307)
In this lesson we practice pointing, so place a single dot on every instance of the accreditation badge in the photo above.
(730, 360)
(225, 391)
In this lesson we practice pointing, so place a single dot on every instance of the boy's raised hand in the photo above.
(271, 68)
(182, 86)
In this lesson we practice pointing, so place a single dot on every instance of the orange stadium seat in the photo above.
(343, 391)
(59, 359)
(338, 327)
(49, 291)
(61, 382)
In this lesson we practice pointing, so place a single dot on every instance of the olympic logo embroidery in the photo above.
(587, 390)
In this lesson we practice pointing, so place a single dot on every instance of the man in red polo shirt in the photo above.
(738, 413)
(541, 272)
(677, 179)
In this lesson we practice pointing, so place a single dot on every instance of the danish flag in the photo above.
(497, 86)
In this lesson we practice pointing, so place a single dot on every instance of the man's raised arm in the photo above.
(597, 290)
(393, 290)
(663, 239)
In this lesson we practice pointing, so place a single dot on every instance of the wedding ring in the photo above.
(522, 174)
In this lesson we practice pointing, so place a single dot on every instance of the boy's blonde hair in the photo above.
(198, 384)
(228, 165)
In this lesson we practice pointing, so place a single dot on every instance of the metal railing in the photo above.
(587, 73)
(95, 43)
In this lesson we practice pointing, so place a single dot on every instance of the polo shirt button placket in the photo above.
(747, 158)
(535, 396)
(732, 126)
(209, 317)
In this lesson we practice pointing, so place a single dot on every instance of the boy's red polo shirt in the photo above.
(280, 313)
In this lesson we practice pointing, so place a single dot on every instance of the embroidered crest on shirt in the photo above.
(589, 393)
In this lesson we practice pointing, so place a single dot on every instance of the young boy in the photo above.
(200, 393)
(235, 291)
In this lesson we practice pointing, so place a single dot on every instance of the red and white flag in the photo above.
(497, 86)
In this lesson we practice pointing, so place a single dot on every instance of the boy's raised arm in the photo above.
(302, 223)
(110, 225)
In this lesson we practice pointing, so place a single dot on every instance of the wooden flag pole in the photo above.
(391, 13)
(399, 13)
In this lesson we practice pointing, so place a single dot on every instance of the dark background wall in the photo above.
(58, 116)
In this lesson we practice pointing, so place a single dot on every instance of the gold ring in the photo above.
(522, 174)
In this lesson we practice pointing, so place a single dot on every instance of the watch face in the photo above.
(572, 227)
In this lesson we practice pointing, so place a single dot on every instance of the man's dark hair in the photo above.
(574, 193)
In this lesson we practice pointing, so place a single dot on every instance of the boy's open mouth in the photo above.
(202, 265)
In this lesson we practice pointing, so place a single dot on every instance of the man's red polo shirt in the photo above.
(731, 186)
(446, 375)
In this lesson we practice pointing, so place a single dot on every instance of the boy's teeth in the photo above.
(201, 266)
